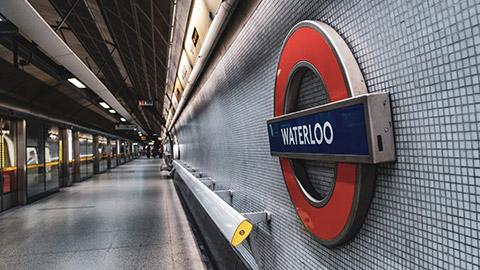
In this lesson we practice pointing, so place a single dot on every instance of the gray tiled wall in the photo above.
(425, 212)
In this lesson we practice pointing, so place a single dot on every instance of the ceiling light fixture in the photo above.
(104, 105)
(112, 111)
(76, 82)
(123, 119)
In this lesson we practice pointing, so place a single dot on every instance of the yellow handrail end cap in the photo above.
(242, 232)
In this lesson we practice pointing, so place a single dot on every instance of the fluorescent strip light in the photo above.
(123, 119)
(76, 82)
(104, 105)
(112, 111)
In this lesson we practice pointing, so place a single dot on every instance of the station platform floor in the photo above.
(127, 218)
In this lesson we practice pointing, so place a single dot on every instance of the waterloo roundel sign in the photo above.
(354, 130)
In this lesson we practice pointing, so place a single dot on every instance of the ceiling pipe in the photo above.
(218, 24)
(29, 21)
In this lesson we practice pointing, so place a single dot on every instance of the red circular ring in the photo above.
(306, 44)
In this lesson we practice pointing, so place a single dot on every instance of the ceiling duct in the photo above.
(29, 21)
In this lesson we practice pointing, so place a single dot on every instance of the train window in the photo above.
(32, 157)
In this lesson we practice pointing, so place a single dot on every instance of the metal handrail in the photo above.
(233, 225)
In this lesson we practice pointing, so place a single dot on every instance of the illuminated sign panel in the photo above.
(314, 133)
(125, 127)
(145, 102)
(195, 36)
(342, 131)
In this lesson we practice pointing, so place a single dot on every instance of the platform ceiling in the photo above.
(124, 42)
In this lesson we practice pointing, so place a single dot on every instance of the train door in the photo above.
(52, 157)
(43, 157)
(103, 155)
(35, 159)
(86, 155)
(113, 153)
(122, 152)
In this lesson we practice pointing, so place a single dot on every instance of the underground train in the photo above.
(37, 157)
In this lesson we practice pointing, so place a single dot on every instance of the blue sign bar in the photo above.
(340, 131)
